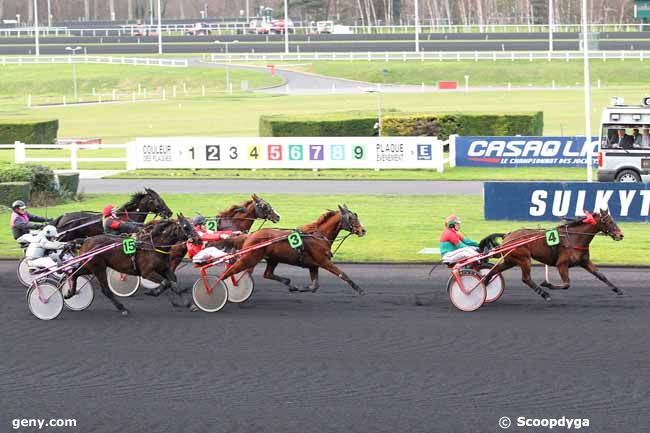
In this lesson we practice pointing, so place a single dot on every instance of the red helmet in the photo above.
(108, 210)
(451, 220)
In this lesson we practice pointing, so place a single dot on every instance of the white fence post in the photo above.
(452, 150)
(19, 152)
(73, 157)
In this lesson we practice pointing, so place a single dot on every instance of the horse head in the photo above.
(263, 210)
(188, 231)
(350, 221)
(606, 224)
(152, 202)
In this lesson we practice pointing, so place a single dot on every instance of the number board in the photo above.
(211, 225)
(287, 152)
(128, 246)
(552, 238)
(295, 240)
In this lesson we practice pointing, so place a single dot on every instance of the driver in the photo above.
(45, 251)
(201, 253)
(22, 221)
(114, 225)
(453, 245)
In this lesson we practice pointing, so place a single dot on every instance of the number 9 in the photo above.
(358, 152)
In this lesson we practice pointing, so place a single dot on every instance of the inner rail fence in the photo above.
(98, 60)
(243, 28)
(434, 56)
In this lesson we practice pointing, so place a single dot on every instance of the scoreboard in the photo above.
(287, 152)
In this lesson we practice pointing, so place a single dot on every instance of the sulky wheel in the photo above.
(209, 302)
(471, 281)
(83, 298)
(122, 285)
(494, 287)
(148, 284)
(24, 275)
(241, 288)
(44, 300)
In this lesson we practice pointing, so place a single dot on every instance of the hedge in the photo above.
(11, 191)
(15, 173)
(342, 124)
(69, 182)
(34, 132)
(443, 125)
(361, 124)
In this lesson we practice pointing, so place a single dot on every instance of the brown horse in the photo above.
(315, 252)
(236, 218)
(573, 250)
(151, 259)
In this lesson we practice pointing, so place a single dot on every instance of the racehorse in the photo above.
(315, 252)
(236, 218)
(75, 225)
(573, 250)
(151, 258)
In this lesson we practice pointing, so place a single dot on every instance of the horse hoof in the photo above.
(361, 292)
(124, 312)
(619, 292)
(546, 297)
(194, 308)
(547, 285)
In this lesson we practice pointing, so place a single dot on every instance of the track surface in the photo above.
(334, 362)
(213, 186)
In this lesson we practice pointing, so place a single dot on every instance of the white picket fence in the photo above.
(433, 56)
(99, 60)
(20, 153)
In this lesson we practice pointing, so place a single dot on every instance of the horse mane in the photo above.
(133, 201)
(235, 208)
(321, 219)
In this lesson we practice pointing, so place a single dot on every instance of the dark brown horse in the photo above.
(151, 259)
(77, 225)
(316, 252)
(573, 250)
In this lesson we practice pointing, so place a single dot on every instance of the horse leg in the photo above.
(593, 270)
(100, 274)
(526, 278)
(563, 270)
(331, 267)
(269, 275)
(313, 274)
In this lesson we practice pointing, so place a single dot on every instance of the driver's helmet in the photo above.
(108, 210)
(18, 204)
(49, 232)
(451, 221)
(199, 220)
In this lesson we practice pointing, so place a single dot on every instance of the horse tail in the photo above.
(490, 241)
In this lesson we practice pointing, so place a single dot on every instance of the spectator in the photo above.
(637, 137)
(645, 139)
(622, 140)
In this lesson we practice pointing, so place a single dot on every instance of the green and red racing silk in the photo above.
(451, 240)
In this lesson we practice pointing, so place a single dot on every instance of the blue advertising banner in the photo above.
(548, 201)
(523, 151)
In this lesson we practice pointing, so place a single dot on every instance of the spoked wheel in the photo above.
(241, 288)
(83, 298)
(44, 300)
(494, 287)
(209, 302)
(471, 281)
(122, 285)
(24, 275)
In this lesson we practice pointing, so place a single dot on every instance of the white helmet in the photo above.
(49, 232)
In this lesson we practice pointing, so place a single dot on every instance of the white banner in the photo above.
(287, 152)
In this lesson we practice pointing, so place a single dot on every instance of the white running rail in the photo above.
(99, 60)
